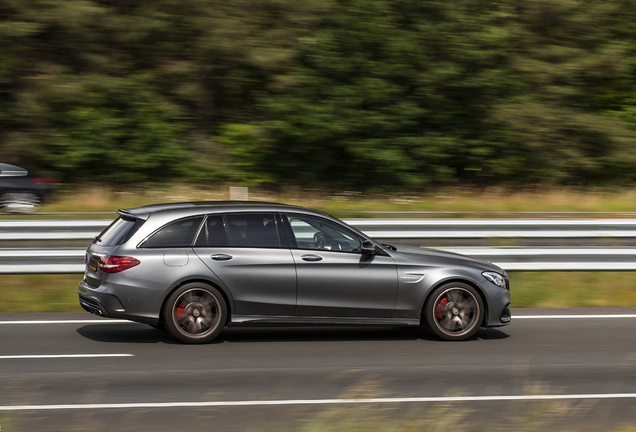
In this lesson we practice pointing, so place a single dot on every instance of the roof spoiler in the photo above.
(126, 214)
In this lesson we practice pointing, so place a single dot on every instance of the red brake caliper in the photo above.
(439, 310)
(180, 310)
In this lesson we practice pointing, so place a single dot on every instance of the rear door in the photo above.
(334, 278)
(246, 252)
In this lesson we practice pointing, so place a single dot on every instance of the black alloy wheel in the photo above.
(195, 313)
(454, 311)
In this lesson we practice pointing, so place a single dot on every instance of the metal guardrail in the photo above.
(51, 229)
(52, 259)
(376, 228)
(540, 214)
(499, 228)
(17, 261)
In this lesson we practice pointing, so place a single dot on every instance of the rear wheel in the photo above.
(195, 313)
(19, 202)
(454, 311)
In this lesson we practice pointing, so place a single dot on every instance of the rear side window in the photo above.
(119, 232)
(176, 234)
(212, 233)
(253, 230)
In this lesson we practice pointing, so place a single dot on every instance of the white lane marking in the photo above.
(49, 356)
(110, 321)
(316, 402)
(572, 316)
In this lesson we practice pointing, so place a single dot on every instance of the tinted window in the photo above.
(255, 230)
(316, 233)
(176, 234)
(119, 232)
(212, 233)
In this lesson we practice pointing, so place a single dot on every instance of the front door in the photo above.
(334, 278)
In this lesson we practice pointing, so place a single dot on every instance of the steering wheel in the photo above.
(336, 245)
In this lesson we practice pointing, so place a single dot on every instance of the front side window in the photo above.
(315, 233)
(252, 230)
(176, 234)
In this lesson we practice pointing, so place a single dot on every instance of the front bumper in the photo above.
(498, 300)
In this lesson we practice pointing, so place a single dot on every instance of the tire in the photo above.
(195, 313)
(19, 202)
(454, 311)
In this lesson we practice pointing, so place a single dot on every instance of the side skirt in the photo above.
(268, 319)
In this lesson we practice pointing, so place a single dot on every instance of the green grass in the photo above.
(39, 293)
(58, 293)
(467, 202)
(573, 289)
(513, 417)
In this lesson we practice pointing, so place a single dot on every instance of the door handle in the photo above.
(311, 257)
(221, 257)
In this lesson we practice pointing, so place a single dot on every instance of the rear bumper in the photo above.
(100, 303)
(92, 306)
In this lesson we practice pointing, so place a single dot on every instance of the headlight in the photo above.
(495, 278)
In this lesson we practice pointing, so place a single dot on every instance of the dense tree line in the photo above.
(338, 93)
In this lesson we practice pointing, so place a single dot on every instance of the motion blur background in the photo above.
(350, 106)
(364, 94)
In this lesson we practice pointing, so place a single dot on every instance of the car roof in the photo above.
(184, 209)
(7, 170)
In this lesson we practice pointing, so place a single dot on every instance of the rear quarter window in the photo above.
(175, 234)
(119, 232)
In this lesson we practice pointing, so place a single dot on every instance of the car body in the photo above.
(197, 267)
(22, 190)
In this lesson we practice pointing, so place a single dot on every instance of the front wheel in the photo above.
(195, 313)
(454, 311)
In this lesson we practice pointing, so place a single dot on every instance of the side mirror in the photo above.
(368, 248)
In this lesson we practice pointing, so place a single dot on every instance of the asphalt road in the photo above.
(159, 384)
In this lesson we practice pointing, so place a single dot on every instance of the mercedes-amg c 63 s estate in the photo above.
(197, 267)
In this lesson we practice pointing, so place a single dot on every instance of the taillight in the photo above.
(115, 264)
(44, 180)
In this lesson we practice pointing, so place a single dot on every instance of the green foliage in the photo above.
(120, 132)
(371, 94)
(242, 143)
(391, 93)
(568, 55)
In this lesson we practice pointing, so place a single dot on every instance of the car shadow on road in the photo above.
(141, 333)
(337, 333)
(125, 333)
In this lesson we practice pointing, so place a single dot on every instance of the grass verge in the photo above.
(516, 417)
(573, 289)
(58, 293)
(39, 293)
(352, 203)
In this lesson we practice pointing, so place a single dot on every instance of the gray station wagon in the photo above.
(197, 267)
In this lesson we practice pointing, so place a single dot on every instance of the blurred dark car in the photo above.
(22, 190)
